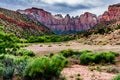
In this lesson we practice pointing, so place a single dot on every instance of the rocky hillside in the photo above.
(20, 24)
(60, 24)
(67, 24)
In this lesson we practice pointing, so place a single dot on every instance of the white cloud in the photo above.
(73, 2)
(73, 7)
(69, 2)
(97, 10)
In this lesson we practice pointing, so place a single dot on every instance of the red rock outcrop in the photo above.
(59, 24)
(113, 13)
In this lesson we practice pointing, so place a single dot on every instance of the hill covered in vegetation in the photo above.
(21, 25)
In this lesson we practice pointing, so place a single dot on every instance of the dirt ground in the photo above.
(40, 49)
(79, 71)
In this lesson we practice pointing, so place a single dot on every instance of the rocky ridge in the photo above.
(62, 25)
(58, 23)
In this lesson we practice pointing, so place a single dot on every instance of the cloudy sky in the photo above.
(72, 7)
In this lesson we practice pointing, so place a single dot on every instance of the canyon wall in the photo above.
(60, 24)
(65, 25)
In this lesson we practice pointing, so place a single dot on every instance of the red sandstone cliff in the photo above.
(59, 24)
(113, 13)
(67, 24)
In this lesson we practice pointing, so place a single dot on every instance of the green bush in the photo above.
(8, 63)
(59, 61)
(45, 68)
(12, 65)
(69, 53)
(5, 65)
(20, 64)
(51, 54)
(86, 51)
(115, 53)
(1, 56)
(2, 69)
(51, 38)
(23, 41)
(116, 77)
(86, 58)
(102, 57)
(25, 52)
(8, 42)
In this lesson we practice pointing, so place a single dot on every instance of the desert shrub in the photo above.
(102, 57)
(23, 40)
(86, 58)
(8, 63)
(1, 56)
(45, 68)
(110, 57)
(75, 57)
(50, 38)
(2, 69)
(116, 77)
(25, 52)
(86, 51)
(8, 74)
(59, 60)
(51, 54)
(112, 70)
(20, 64)
(69, 53)
(12, 65)
(115, 53)
(78, 78)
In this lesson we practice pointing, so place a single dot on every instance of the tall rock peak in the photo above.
(113, 13)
